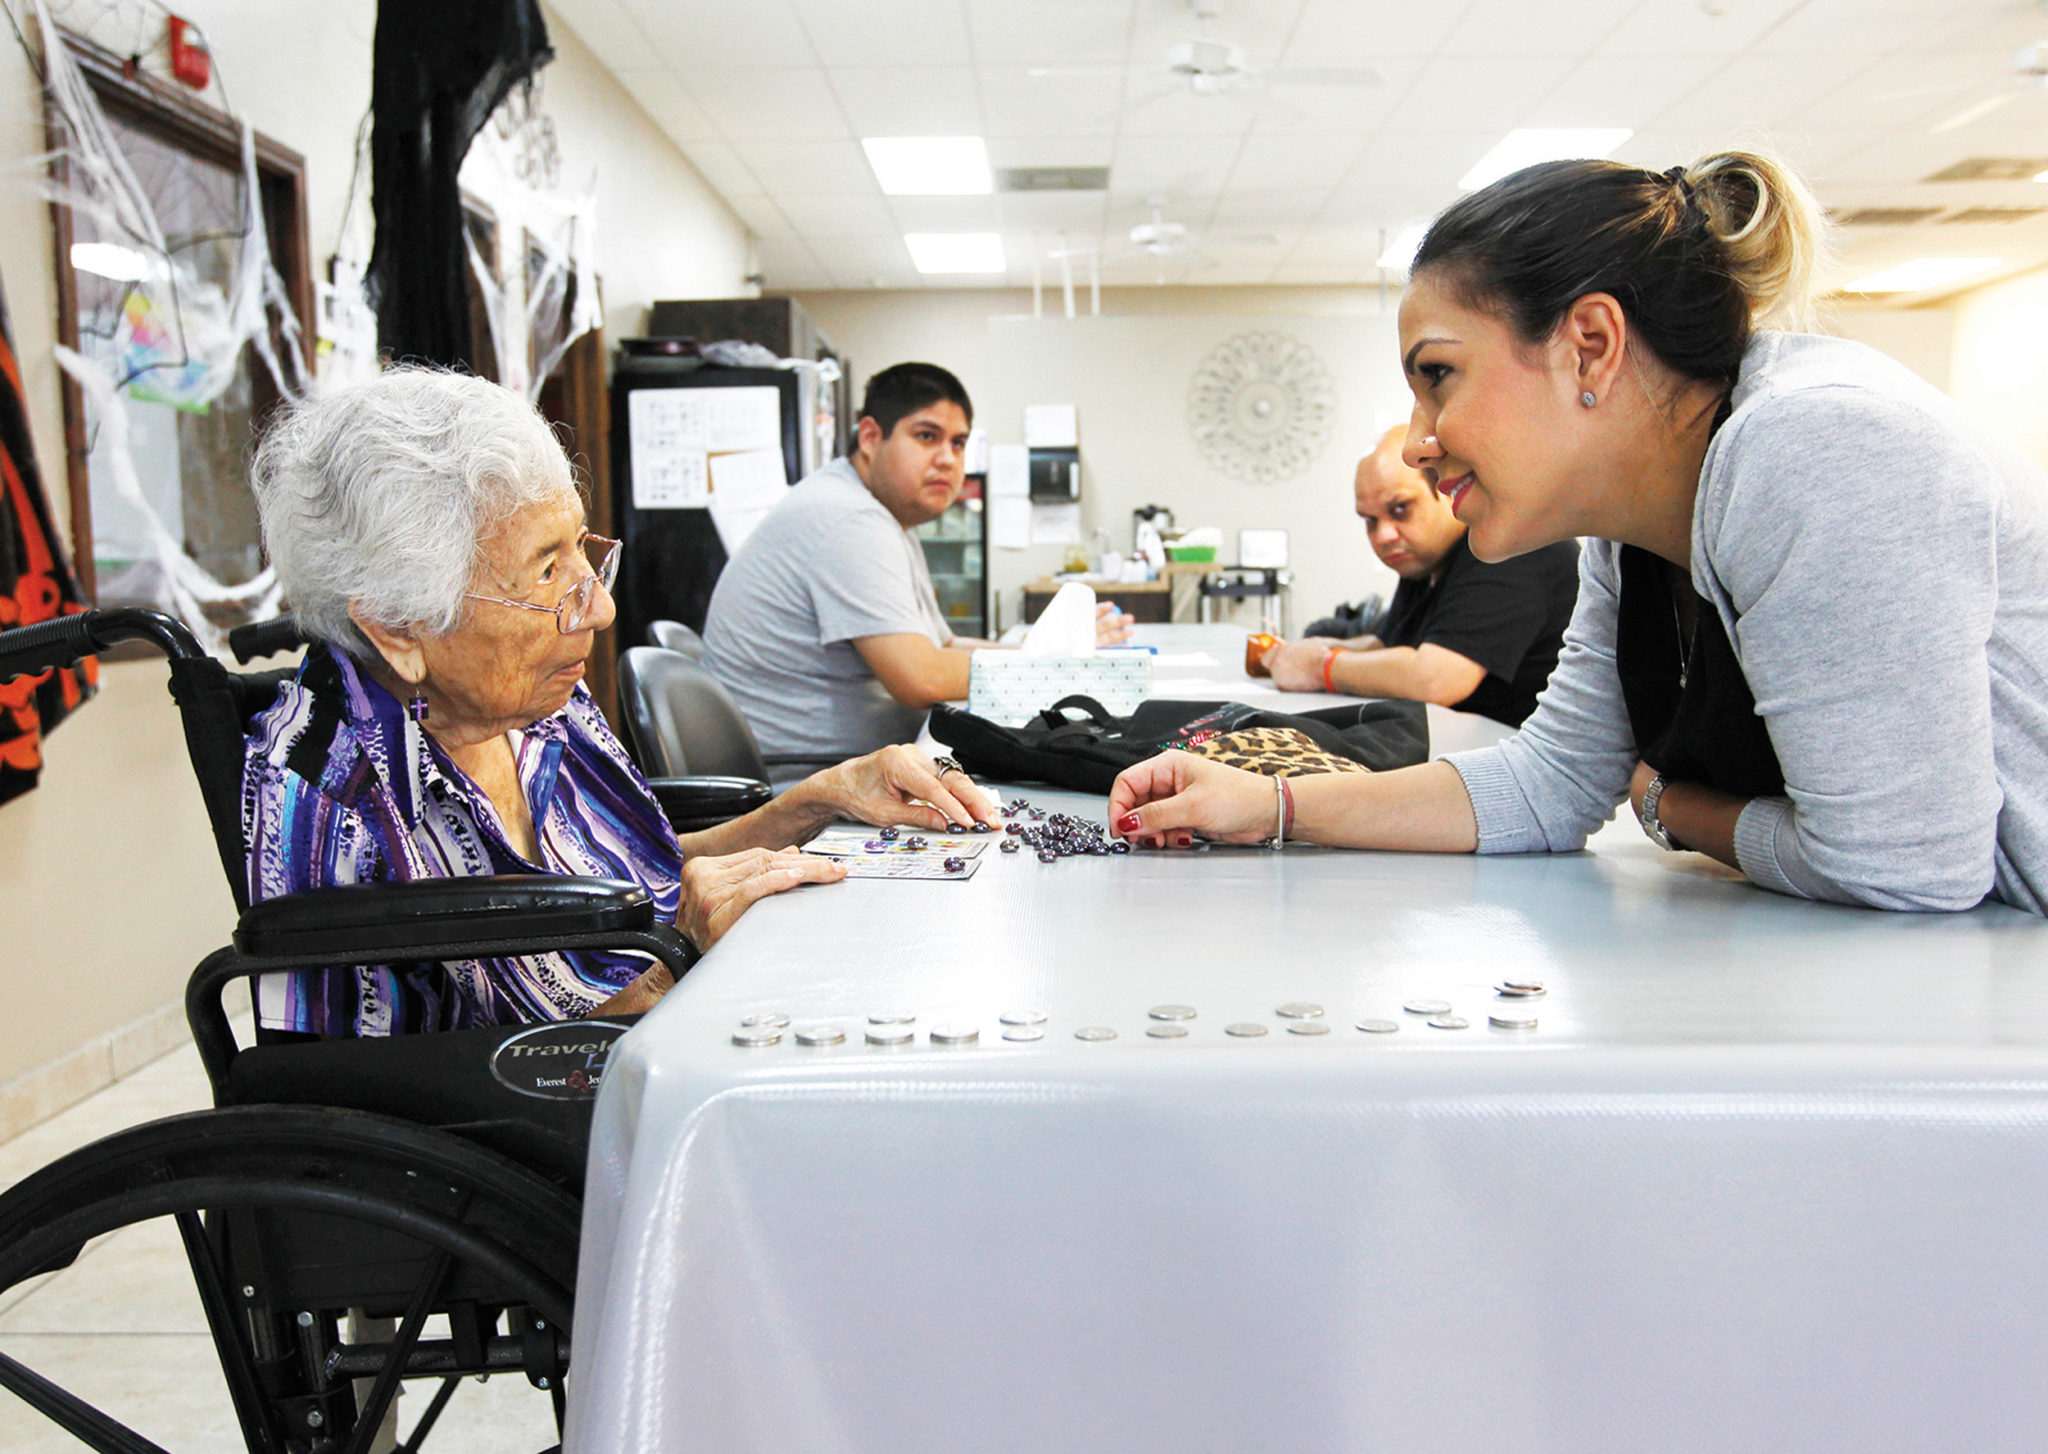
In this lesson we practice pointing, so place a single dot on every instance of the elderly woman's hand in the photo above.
(718, 889)
(896, 784)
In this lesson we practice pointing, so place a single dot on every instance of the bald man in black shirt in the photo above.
(1461, 632)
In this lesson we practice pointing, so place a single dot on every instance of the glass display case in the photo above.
(956, 554)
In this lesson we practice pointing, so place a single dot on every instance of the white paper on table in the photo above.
(744, 488)
(1184, 658)
(1009, 470)
(665, 435)
(1055, 524)
(1191, 688)
(741, 418)
(1052, 426)
(1066, 627)
(1009, 522)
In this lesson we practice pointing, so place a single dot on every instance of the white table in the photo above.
(1766, 1175)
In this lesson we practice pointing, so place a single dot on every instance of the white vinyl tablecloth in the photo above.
(1766, 1175)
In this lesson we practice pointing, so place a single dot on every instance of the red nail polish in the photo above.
(1128, 823)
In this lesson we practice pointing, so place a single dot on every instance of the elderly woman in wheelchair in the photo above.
(428, 531)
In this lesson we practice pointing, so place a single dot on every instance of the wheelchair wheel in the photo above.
(335, 1254)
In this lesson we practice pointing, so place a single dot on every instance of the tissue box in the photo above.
(1011, 688)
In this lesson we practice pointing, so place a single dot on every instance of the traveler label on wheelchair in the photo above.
(557, 1062)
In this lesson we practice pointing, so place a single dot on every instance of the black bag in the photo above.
(1087, 755)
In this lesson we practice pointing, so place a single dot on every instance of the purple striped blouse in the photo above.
(340, 786)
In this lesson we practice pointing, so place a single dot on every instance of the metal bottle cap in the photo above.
(823, 1033)
(1022, 1017)
(772, 1019)
(1428, 1007)
(1512, 1022)
(1309, 1027)
(1379, 1027)
(892, 1019)
(1172, 1012)
(1095, 1032)
(1245, 1028)
(890, 1034)
(955, 1034)
(1023, 1032)
(1299, 1010)
(1170, 1030)
(753, 1035)
(1448, 1022)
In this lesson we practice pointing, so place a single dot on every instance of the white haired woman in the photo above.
(429, 533)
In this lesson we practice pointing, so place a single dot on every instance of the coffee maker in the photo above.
(1150, 525)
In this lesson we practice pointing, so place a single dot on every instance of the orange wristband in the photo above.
(1330, 660)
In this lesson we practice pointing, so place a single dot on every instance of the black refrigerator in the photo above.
(667, 427)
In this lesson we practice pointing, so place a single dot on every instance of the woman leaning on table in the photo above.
(1812, 631)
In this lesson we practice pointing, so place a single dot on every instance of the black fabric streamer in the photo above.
(36, 585)
(440, 70)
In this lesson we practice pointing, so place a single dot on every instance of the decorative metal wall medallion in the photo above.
(1260, 407)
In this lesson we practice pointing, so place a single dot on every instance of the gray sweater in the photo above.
(1880, 561)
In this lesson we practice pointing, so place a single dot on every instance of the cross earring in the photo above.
(1587, 399)
(416, 708)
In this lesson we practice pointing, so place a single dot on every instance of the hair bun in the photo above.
(1769, 228)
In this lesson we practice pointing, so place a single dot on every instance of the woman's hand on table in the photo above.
(718, 889)
(900, 785)
(1112, 627)
(1297, 666)
(1165, 801)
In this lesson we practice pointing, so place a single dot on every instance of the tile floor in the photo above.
(122, 1326)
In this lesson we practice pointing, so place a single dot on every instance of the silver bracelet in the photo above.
(1279, 838)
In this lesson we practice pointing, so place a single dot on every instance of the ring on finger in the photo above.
(943, 765)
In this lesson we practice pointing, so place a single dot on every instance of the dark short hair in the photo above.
(1696, 256)
(902, 389)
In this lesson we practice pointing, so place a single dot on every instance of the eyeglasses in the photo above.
(573, 612)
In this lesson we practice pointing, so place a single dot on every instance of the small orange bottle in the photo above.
(1255, 648)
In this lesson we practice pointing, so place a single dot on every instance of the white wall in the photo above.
(109, 886)
(1128, 372)
(2001, 359)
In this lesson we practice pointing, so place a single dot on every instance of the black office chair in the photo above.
(403, 1178)
(675, 636)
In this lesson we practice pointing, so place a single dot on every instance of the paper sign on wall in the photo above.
(1009, 522)
(1052, 426)
(672, 432)
(1009, 470)
(1055, 524)
(744, 488)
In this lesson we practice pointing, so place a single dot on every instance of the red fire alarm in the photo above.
(190, 60)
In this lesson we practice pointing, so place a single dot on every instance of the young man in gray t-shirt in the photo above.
(824, 627)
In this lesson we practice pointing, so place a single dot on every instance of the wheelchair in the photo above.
(356, 1213)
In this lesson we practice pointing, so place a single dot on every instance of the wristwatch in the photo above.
(1653, 827)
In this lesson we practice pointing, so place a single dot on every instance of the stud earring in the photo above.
(1587, 399)
(416, 708)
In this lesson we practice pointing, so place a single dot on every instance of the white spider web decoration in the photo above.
(1261, 407)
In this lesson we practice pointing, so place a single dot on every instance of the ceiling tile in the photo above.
(1757, 91)
(604, 26)
(1686, 27)
(1917, 87)
(1419, 160)
(1017, 103)
(1170, 166)
(1249, 210)
(662, 97)
(1072, 212)
(1621, 90)
(1483, 92)
(1858, 27)
(809, 168)
(1519, 28)
(1288, 163)
(1325, 274)
(1337, 246)
(912, 101)
(721, 166)
(763, 218)
(857, 261)
(1360, 32)
(788, 264)
(1051, 151)
(815, 217)
(759, 33)
(768, 103)
(1300, 108)
(898, 33)
(1050, 32)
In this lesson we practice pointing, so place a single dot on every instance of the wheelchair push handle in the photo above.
(60, 642)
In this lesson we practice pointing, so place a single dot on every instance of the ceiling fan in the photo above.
(1165, 241)
(1210, 66)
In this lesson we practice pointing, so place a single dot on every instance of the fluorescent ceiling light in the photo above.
(2041, 176)
(930, 166)
(956, 252)
(1527, 147)
(1924, 273)
(1401, 247)
(110, 260)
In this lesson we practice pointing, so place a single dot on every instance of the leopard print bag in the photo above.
(1273, 751)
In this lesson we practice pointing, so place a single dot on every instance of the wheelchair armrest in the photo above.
(692, 803)
(426, 914)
